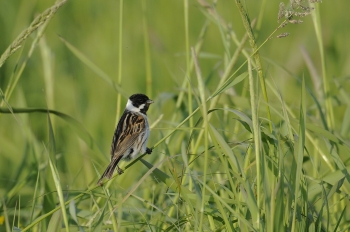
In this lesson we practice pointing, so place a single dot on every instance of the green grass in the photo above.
(250, 132)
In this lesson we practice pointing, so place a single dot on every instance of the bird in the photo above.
(131, 134)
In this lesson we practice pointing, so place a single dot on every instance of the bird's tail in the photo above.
(109, 171)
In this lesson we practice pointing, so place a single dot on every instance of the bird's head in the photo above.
(138, 103)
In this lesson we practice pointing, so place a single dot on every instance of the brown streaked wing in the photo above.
(132, 127)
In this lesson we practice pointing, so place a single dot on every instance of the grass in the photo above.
(248, 132)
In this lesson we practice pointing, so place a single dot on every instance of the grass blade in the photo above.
(299, 154)
(78, 127)
(100, 73)
(339, 220)
(55, 175)
(55, 222)
(205, 122)
(257, 141)
(316, 19)
(249, 30)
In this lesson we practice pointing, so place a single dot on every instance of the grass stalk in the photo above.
(257, 149)
(148, 63)
(48, 62)
(34, 196)
(188, 70)
(261, 15)
(309, 135)
(178, 103)
(6, 218)
(181, 95)
(120, 211)
(299, 154)
(55, 174)
(16, 75)
(316, 18)
(120, 60)
(19, 213)
(189, 90)
(201, 89)
(226, 77)
(249, 30)
(197, 48)
(112, 216)
(36, 23)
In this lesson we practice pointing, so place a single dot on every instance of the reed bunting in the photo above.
(131, 134)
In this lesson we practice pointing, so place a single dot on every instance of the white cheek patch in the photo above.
(131, 107)
(142, 106)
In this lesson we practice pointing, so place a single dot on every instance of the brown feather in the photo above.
(127, 133)
(133, 126)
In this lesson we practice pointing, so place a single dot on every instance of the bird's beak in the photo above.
(149, 101)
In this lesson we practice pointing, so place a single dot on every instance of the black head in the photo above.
(138, 103)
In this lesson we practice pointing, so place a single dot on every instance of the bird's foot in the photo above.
(148, 150)
(100, 183)
(120, 171)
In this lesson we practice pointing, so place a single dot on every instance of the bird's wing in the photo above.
(129, 128)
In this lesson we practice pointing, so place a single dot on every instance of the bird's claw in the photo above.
(148, 150)
(120, 171)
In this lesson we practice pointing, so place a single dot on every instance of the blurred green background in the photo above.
(92, 27)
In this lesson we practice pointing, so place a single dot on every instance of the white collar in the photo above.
(132, 108)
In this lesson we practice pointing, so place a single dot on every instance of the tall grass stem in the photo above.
(257, 148)
(120, 60)
(148, 63)
(316, 18)
(249, 30)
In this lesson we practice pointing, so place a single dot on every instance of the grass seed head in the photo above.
(283, 35)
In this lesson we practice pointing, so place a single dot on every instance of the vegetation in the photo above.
(250, 125)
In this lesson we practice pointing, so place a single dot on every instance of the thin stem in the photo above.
(249, 30)
(326, 86)
(147, 52)
(188, 69)
(256, 135)
(120, 58)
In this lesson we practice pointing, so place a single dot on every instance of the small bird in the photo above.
(131, 134)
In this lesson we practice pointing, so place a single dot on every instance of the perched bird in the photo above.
(131, 134)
